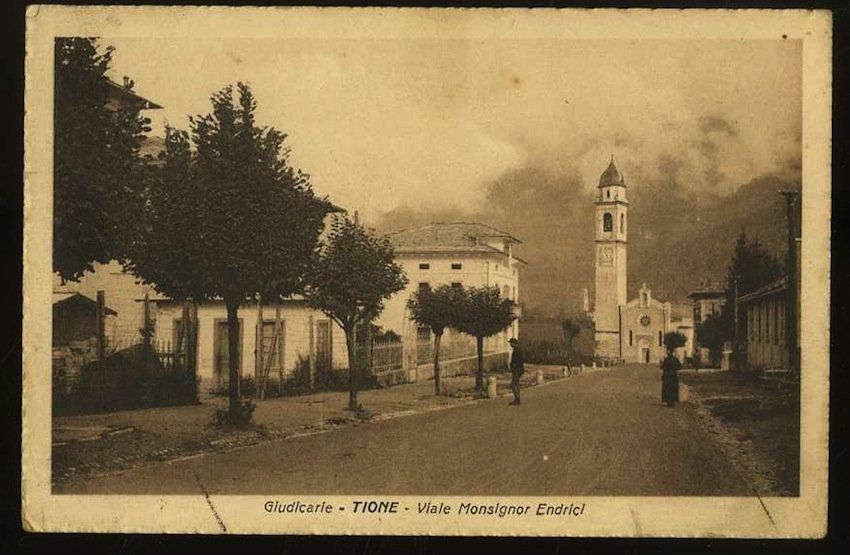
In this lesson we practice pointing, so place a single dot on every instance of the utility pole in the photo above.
(791, 203)
(736, 364)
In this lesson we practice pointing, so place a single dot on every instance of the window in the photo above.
(424, 288)
(607, 222)
(506, 292)
(457, 266)
(457, 284)
(630, 338)
(660, 339)
(607, 193)
(424, 266)
(622, 223)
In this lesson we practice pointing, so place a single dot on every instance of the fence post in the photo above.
(367, 347)
(147, 332)
(100, 316)
(311, 357)
(101, 334)
(280, 345)
(192, 359)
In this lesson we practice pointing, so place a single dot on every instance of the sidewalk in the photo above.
(120, 440)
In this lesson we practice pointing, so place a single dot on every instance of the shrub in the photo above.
(127, 379)
(325, 379)
(242, 418)
(552, 352)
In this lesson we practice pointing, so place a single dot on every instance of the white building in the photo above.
(465, 254)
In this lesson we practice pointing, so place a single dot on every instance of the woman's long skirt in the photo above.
(669, 388)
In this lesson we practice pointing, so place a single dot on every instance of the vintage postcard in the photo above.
(427, 271)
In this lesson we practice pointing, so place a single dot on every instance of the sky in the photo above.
(433, 125)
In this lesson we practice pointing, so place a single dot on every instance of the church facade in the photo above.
(630, 331)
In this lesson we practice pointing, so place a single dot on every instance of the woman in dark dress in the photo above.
(670, 379)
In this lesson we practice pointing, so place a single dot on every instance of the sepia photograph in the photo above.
(427, 271)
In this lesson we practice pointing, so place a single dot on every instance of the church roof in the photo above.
(611, 176)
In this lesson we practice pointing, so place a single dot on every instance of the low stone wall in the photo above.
(462, 366)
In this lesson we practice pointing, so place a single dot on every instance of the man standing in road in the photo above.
(517, 364)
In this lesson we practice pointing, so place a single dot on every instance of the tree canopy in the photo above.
(674, 339)
(354, 275)
(437, 308)
(226, 215)
(96, 167)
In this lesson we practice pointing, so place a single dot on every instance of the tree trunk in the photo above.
(352, 368)
(479, 374)
(233, 355)
(438, 384)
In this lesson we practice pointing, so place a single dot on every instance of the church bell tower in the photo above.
(611, 231)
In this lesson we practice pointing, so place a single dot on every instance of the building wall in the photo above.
(297, 320)
(475, 271)
(766, 345)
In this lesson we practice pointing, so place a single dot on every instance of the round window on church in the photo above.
(645, 320)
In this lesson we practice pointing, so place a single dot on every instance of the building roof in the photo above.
(708, 289)
(448, 236)
(775, 287)
(70, 300)
(124, 93)
(611, 176)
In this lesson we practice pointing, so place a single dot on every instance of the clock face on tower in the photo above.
(606, 256)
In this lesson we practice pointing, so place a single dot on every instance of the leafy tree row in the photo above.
(476, 311)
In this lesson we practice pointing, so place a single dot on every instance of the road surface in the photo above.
(603, 433)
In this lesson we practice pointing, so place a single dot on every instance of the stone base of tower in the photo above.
(608, 344)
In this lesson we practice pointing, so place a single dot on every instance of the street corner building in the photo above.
(462, 254)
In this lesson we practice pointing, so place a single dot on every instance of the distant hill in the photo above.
(676, 239)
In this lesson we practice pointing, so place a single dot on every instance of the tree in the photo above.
(750, 267)
(570, 329)
(673, 340)
(229, 219)
(438, 309)
(96, 159)
(484, 313)
(353, 276)
(711, 334)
